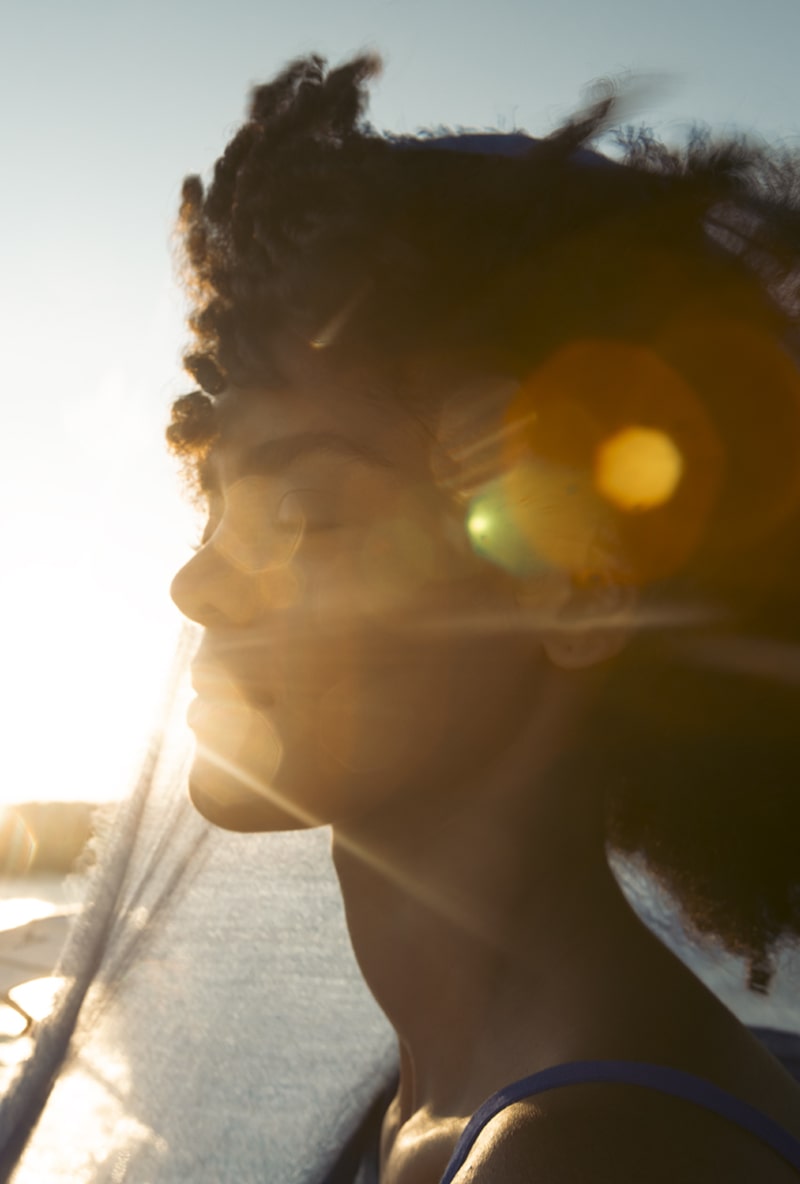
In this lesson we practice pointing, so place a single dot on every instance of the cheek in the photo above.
(383, 670)
(386, 718)
(358, 719)
(402, 710)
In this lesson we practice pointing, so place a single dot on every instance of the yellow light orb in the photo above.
(638, 468)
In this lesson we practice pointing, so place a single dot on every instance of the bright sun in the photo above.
(94, 631)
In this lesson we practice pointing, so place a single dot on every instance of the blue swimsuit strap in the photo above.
(658, 1077)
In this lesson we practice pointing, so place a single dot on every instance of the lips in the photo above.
(215, 681)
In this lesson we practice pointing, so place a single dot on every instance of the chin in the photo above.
(237, 758)
(232, 807)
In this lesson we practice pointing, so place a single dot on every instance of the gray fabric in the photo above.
(228, 1036)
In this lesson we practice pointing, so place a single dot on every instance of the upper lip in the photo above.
(210, 676)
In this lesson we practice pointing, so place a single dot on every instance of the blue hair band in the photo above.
(499, 144)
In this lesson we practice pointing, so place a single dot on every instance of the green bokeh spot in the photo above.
(496, 536)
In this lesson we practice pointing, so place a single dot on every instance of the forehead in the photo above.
(296, 418)
(316, 411)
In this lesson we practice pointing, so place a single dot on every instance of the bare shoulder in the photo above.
(600, 1134)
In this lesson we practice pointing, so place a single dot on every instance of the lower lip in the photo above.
(199, 708)
(196, 708)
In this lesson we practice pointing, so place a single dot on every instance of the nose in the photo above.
(212, 592)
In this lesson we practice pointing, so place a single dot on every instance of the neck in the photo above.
(477, 925)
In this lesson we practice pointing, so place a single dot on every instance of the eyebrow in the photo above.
(273, 456)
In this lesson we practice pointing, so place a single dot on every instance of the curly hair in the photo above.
(318, 230)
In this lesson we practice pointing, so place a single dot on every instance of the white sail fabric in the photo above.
(237, 1042)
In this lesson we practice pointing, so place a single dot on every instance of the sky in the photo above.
(104, 107)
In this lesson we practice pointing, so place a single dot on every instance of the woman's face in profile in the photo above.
(356, 651)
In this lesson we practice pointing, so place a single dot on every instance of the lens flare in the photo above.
(478, 525)
(396, 559)
(496, 527)
(638, 468)
(250, 537)
(624, 459)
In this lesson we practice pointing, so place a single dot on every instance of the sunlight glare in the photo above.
(638, 468)
(17, 843)
(37, 996)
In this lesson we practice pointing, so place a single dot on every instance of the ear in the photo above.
(591, 624)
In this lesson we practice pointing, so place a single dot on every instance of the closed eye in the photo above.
(304, 511)
(305, 526)
(299, 512)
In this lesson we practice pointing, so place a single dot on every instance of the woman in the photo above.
(499, 440)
